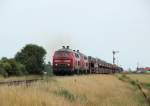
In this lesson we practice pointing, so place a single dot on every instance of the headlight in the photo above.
(56, 64)
(57, 60)
(67, 61)
(68, 64)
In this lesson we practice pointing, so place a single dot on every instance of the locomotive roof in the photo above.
(70, 50)
(67, 50)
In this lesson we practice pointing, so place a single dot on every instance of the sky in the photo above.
(95, 27)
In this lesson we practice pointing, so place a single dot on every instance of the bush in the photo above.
(3, 72)
(48, 69)
(20, 69)
(32, 56)
(11, 67)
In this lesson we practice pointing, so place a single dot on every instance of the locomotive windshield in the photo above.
(62, 53)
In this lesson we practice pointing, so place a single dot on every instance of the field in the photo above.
(89, 90)
(143, 78)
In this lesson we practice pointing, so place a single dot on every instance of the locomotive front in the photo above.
(63, 61)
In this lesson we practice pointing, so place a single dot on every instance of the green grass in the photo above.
(143, 78)
(147, 85)
(65, 93)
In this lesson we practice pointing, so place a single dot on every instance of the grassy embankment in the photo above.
(141, 81)
(144, 80)
(90, 90)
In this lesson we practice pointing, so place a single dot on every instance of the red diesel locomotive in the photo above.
(67, 61)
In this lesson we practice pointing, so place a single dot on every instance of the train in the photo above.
(69, 62)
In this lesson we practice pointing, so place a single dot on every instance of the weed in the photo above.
(133, 82)
(82, 98)
(65, 93)
(124, 76)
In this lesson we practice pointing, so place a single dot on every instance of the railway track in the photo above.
(19, 82)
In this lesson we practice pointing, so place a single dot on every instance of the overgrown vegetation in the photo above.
(29, 61)
(10, 67)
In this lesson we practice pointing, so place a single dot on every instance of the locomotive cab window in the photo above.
(85, 58)
(78, 63)
(77, 55)
(62, 54)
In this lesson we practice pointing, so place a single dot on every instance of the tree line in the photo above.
(30, 60)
